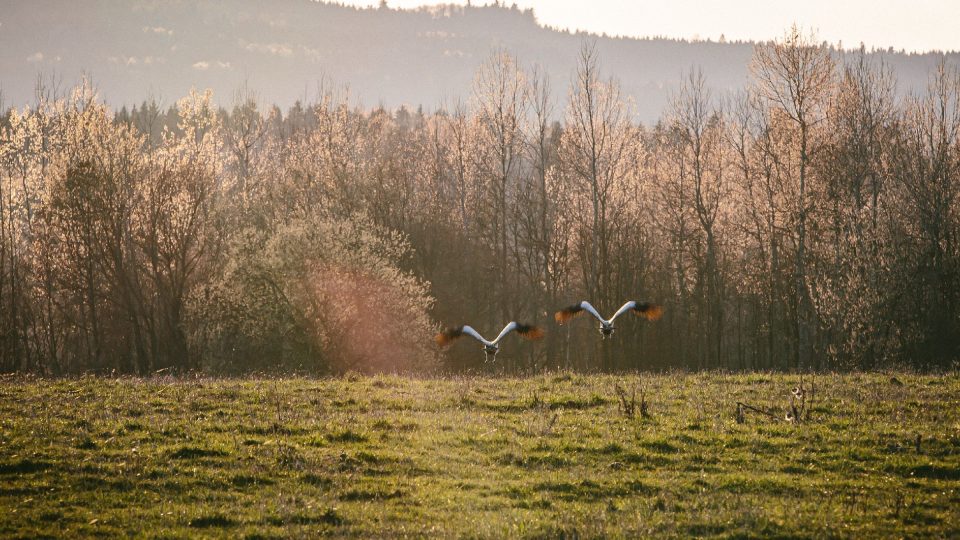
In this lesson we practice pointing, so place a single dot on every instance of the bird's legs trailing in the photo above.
(650, 312)
(490, 348)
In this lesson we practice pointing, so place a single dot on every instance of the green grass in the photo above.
(546, 456)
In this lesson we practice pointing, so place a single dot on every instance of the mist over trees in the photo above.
(809, 221)
(135, 49)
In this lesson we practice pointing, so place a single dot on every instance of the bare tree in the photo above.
(243, 135)
(795, 75)
(541, 223)
(501, 96)
(927, 171)
(701, 169)
(597, 151)
(849, 290)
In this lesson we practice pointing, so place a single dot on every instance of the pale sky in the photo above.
(914, 25)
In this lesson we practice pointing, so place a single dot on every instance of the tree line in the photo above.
(809, 221)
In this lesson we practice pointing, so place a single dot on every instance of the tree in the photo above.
(701, 182)
(541, 222)
(597, 151)
(795, 76)
(927, 173)
(851, 291)
(500, 92)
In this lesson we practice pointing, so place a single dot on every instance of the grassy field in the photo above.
(547, 456)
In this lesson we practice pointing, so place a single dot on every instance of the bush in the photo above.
(320, 295)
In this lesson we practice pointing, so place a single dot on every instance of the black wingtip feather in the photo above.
(651, 312)
(530, 331)
(444, 338)
(567, 313)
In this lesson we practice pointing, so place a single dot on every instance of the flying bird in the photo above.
(651, 312)
(490, 348)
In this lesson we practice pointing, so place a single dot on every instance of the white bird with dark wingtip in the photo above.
(490, 348)
(651, 312)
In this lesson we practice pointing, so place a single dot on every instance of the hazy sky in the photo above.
(914, 25)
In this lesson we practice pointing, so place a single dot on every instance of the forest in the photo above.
(808, 222)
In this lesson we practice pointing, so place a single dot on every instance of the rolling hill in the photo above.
(285, 49)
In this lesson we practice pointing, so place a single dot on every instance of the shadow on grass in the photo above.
(330, 516)
(371, 495)
(24, 466)
(193, 452)
(216, 520)
(928, 471)
(588, 490)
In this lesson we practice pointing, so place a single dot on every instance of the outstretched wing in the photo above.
(651, 312)
(566, 314)
(447, 336)
(623, 309)
(527, 331)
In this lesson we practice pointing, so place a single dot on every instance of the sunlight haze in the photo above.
(476, 269)
(922, 25)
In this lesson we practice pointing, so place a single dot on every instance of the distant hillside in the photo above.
(282, 48)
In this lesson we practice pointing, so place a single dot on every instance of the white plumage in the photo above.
(490, 348)
(651, 312)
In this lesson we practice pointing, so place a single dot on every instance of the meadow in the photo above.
(546, 456)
